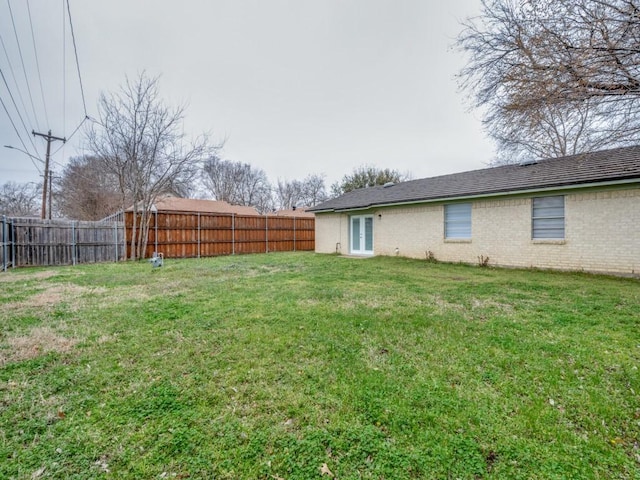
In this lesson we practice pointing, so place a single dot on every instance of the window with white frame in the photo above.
(457, 221)
(547, 218)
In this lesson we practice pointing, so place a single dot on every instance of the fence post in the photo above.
(266, 233)
(115, 239)
(198, 234)
(73, 241)
(233, 234)
(4, 243)
(156, 233)
(13, 243)
(294, 234)
(124, 235)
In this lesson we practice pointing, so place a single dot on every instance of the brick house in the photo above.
(580, 212)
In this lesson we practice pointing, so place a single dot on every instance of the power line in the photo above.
(78, 127)
(35, 53)
(24, 69)
(17, 111)
(72, 134)
(19, 137)
(64, 71)
(64, 78)
(23, 113)
(13, 75)
(75, 49)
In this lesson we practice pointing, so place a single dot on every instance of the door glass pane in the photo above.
(368, 234)
(355, 234)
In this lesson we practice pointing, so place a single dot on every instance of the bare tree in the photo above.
(140, 141)
(308, 192)
(237, 183)
(288, 193)
(551, 130)
(555, 77)
(367, 176)
(314, 190)
(19, 199)
(85, 191)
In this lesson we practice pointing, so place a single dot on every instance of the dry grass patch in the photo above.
(357, 301)
(125, 294)
(444, 306)
(475, 310)
(42, 275)
(376, 355)
(53, 295)
(39, 341)
(484, 303)
(142, 293)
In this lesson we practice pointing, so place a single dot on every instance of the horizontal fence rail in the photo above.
(184, 235)
(37, 242)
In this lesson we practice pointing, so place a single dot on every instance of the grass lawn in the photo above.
(302, 366)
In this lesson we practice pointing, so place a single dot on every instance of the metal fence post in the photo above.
(4, 243)
(115, 239)
(13, 244)
(73, 241)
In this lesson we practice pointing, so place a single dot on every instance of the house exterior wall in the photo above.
(332, 233)
(602, 233)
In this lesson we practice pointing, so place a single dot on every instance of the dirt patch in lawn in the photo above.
(39, 341)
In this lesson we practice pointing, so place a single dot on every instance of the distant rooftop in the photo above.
(169, 203)
(301, 212)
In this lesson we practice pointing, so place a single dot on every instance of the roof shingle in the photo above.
(608, 165)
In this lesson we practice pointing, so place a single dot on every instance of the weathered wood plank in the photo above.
(183, 235)
(36, 242)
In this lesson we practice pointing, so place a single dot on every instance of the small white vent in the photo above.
(388, 184)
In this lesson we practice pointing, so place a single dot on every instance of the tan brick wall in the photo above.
(332, 233)
(602, 233)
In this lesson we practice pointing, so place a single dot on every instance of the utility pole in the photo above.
(50, 191)
(47, 180)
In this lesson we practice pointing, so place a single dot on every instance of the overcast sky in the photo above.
(296, 87)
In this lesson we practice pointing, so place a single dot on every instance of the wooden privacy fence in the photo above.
(181, 235)
(36, 242)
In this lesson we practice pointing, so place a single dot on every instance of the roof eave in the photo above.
(553, 188)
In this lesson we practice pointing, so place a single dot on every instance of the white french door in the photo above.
(362, 234)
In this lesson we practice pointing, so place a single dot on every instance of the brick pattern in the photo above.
(602, 233)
